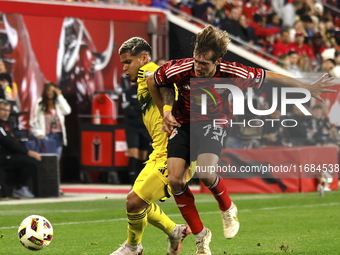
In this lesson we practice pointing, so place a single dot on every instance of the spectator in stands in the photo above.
(220, 12)
(260, 28)
(331, 68)
(268, 43)
(302, 133)
(318, 48)
(300, 47)
(246, 33)
(305, 63)
(277, 7)
(47, 119)
(203, 10)
(281, 45)
(320, 125)
(285, 61)
(293, 59)
(273, 131)
(6, 86)
(231, 22)
(273, 20)
(14, 156)
(327, 31)
(253, 7)
(297, 28)
(308, 25)
(289, 12)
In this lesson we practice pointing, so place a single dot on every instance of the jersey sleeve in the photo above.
(172, 72)
(246, 76)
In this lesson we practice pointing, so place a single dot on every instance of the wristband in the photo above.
(167, 108)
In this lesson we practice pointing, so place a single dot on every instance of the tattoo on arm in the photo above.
(168, 95)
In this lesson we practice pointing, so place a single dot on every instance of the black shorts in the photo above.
(137, 138)
(191, 140)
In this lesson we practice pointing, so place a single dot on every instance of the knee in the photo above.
(134, 203)
(207, 179)
(208, 182)
(177, 184)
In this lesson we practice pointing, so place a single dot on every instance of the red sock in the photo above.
(221, 194)
(186, 204)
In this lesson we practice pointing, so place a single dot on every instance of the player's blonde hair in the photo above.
(212, 39)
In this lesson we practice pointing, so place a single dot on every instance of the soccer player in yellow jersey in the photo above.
(152, 183)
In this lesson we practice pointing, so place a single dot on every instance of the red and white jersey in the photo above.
(181, 72)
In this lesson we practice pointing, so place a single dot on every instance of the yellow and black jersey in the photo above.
(151, 115)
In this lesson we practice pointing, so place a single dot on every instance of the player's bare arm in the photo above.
(316, 88)
(169, 121)
(163, 96)
(155, 92)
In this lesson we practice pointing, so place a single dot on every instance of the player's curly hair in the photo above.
(212, 39)
(135, 46)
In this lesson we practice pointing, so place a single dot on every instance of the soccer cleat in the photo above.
(230, 222)
(126, 249)
(175, 243)
(202, 244)
(23, 192)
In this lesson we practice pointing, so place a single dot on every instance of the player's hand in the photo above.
(321, 86)
(169, 122)
(35, 155)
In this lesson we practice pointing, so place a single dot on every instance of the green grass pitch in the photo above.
(299, 223)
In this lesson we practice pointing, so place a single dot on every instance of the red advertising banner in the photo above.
(72, 44)
(278, 169)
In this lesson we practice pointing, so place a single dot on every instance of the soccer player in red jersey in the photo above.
(192, 136)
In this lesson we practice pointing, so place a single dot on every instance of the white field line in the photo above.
(179, 215)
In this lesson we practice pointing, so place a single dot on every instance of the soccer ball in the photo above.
(35, 232)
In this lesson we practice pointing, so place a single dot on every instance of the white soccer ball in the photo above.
(35, 232)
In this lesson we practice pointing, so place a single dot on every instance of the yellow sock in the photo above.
(137, 222)
(159, 219)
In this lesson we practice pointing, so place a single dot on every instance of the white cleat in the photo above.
(230, 222)
(175, 243)
(202, 244)
(126, 249)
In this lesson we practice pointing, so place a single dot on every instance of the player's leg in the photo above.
(136, 210)
(178, 161)
(149, 187)
(153, 188)
(207, 160)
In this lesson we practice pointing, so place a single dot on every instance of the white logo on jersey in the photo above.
(173, 133)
